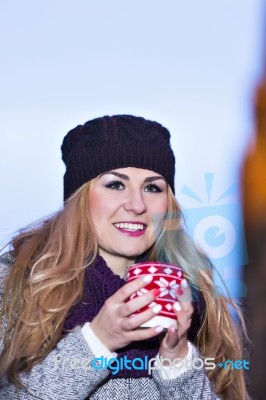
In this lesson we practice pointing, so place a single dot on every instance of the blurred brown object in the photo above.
(254, 208)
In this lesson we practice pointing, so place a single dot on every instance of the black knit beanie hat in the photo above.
(119, 141)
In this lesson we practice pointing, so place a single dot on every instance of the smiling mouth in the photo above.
(130, 226)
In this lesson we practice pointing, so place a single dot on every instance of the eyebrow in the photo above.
(126, 177)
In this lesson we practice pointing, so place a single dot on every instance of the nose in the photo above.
(135, 203)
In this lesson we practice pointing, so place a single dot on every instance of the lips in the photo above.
(131, 228)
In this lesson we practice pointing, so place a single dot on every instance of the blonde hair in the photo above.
(219, 336)
(47, 279)
(44, 283)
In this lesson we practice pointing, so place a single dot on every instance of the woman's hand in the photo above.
(114, 325)
(174, 344)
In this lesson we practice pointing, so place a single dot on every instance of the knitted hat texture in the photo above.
(120, 141)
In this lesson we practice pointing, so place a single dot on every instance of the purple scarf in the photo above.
(99, 284)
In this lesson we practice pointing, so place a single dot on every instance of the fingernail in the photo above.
(179, 291)
(147, 278)
(156, 292)
(177, 306)
(157, 308)
(184, 283)
(158, 329)
(173, 328)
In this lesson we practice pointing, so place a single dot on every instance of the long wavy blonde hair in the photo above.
(47, 277)
(219, 336)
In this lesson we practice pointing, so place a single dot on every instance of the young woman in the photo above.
(65, 302)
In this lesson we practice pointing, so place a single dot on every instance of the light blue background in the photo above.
(192, 65)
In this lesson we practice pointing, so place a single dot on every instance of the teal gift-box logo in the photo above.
(217, 227)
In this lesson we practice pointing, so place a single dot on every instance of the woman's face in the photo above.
(127, 207)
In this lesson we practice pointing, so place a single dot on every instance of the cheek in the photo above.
(159, 211)
(97, 206)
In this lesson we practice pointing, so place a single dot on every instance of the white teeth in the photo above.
(130, 227)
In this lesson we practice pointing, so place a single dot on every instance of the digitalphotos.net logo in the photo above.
(115, 365)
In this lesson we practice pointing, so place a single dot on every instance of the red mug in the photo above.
(165, 277)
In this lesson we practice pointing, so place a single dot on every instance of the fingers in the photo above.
(129, 288)
(172, 337)
(183, 307)
(143, 334)
(114, 324)
(145, 298)
(183, 292)
(184, 310)
(172, 346)
(127, 325)
(183, 316)
(184, 297)
(137, 320)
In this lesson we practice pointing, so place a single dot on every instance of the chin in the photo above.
(133, 254)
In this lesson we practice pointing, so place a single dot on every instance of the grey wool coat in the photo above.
(48, 380)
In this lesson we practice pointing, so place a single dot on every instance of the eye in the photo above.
(153, 188)
(115, 185)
